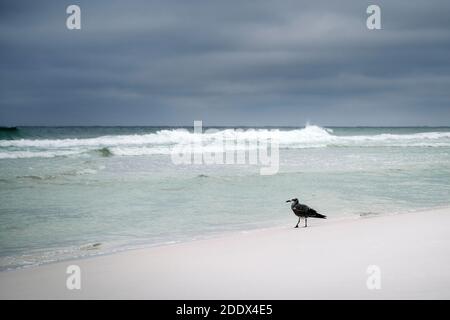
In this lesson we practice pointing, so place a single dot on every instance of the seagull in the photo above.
(303, 211)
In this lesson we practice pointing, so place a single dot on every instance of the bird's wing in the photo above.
(304, 209)
(311, 211)
(300, 208)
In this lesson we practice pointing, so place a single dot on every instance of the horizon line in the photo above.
(224, 126)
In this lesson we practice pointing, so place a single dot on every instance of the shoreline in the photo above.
(271, 263)
(212, 236)
(145, 246)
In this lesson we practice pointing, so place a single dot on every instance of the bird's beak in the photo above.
(288, 200)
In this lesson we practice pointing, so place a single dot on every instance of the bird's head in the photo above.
(292, 200)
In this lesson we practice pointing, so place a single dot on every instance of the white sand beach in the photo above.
(327, 260)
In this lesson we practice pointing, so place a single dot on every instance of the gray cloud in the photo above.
(225, 62)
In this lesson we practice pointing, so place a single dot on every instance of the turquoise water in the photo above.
(64, 189)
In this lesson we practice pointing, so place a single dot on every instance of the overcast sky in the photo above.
(225, 62)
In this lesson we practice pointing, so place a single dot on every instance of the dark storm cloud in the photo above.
(225, 62)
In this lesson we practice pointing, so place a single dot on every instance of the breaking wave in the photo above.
(162, 142)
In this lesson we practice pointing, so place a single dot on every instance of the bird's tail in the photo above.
(320, 216)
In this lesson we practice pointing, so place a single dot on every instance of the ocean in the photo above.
(70, 192)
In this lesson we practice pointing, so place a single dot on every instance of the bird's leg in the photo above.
(297, 222)
(306, 222)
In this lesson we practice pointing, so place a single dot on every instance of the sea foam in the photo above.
(162, 141)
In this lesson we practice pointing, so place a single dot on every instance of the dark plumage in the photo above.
(303, 211)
